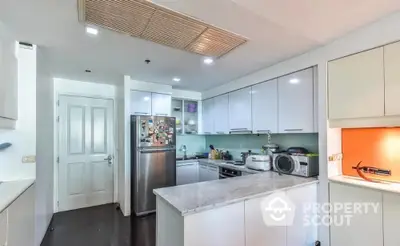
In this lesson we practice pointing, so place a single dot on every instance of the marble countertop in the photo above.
(220, 163)
(197, 197)
(11, 190)
(383, 186)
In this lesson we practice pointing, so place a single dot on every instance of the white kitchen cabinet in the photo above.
(299, 233)
(8, 77)
(364, 228)
(265, 107)
(221, 114)
(356, 87)
(3, 227)
(257, 232)
(391, 218)
(213, 173)
(203, 172)
(208, 116)
(161, 104)
(140, 103)
(392, 78)
(21, 219)
(240, 110)
(296, 102)
(187, 173)
(223, 226)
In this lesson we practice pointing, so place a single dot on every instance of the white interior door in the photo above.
(86, 149)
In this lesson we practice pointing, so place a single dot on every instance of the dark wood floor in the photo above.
(100, 226)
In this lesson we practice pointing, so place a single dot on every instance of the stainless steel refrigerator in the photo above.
(153, 159)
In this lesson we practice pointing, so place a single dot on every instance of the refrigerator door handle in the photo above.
(156, 150)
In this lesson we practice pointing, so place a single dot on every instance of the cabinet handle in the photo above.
(141, 113)
(220, 132)
(239, 129)
(293, 130)
(263, 131)
(161, 114)
(207, 132)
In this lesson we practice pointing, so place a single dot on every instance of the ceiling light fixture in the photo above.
(294, 81)
(176, 79)
(208, 61)
(92, 30)
(146, 98)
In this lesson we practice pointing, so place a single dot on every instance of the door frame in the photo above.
(56, 151)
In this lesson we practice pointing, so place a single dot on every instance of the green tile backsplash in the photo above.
(242, 143)
(194, 143)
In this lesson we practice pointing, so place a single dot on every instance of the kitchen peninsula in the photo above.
(227, 212)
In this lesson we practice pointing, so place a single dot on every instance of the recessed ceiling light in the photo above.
(176, 79)
(294, 81)
(146, 98)
(92, 30)
(208, 61)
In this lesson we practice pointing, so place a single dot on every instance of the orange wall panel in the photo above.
(377, 147)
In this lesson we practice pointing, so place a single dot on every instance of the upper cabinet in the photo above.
(186, 114)
(296, 102)
(221, 114)
(392, 79)
(8, 78)
(161, 104)
(147, 103)
(265, 107)
(140, 103)
(208, 116)
(240, 110)
(356, 86)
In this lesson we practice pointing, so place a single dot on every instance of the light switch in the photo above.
(29, 159)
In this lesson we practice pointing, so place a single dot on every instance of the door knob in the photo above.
(109, 159)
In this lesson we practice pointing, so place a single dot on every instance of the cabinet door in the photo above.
(187, 174)
(265, 107)
(216, 227)
(8, 78)
(3, 227)
(298, 233)
(140, 103)
(392, 79)
(240, 110)
(296, 102)
(21, 219)
(221, 114)
(213, 173)
(203, 173)
(257, 232)
(208, 116)
(391, 218)
(356, 86)
(364, 228)
(160, 104)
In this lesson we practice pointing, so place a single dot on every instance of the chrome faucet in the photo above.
(184, 150)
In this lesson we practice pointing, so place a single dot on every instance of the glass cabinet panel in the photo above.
(191, 117)
(177, 112)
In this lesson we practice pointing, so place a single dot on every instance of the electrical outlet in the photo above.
(29, 159)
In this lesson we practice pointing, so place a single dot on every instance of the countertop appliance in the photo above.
(153, 160)
(259, 162)
(299, 165)
(225, 173)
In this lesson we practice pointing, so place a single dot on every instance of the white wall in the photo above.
(23, 137)
(384, 31)
(44, 145)
(88, 89)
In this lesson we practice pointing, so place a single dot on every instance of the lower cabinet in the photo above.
(259, 233)
(365, 228)
(187, 173)
(391, 218)
(208, 172)
(17, 222)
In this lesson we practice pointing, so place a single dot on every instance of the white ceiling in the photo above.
(277, 29)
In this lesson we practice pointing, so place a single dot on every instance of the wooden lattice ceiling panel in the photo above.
(152, 22)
